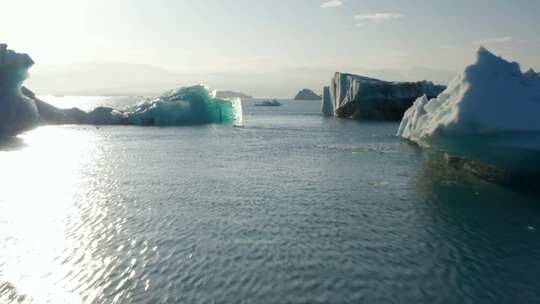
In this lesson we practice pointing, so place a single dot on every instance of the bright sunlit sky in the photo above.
(255, 35)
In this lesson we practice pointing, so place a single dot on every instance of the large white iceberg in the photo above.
(489, 113)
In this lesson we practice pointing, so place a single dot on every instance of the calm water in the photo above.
(292, 208)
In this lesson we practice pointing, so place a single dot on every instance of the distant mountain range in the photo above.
(232, 94)
(114, 78)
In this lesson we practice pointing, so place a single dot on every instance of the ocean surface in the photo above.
(292, 208)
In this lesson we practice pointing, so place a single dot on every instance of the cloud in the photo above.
(495, 40)
(378, 16)
(332, 3)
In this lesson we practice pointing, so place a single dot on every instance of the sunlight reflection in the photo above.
(39, 184)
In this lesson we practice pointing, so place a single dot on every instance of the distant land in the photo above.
(307, 94)
(117, 78)
(232, 94)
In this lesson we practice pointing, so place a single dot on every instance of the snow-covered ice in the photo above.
(489, 113)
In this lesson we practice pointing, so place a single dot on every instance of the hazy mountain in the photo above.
(104, 78)
(232, 94)
(113, 78)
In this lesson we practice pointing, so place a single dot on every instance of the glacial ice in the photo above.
(21, 109)
(193, 105)
(355, 96)
(17, 112)
(184, 106)
(327, 107)
(489, 113)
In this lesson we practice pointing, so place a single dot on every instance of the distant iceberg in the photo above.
(489, 113)
(17, 112)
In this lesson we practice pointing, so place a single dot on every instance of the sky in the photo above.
(251, 38)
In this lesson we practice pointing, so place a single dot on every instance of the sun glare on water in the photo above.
(40, 179)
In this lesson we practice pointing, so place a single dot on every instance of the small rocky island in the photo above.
(307, 94)
(360, 97)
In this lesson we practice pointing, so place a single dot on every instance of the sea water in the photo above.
(291, 208)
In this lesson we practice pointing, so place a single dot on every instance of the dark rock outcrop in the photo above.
(359, 97)
(307, 94)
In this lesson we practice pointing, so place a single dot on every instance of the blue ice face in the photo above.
(17, 113)
(185, 106)
(11, 79)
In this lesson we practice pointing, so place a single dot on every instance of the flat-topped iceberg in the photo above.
(360, 97)
(17, 112)
(489, 113)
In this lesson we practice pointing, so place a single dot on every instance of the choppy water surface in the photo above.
(292, 208)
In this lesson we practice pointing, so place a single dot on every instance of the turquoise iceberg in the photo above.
(185, 106)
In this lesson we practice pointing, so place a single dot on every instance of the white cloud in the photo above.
(332, 3)
(378, 16)
(496, 40)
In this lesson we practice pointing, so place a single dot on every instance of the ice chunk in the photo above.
(354, 96)
(327, 106)
(20, 109)
(186, 106)
(17, 112)
(489, 113)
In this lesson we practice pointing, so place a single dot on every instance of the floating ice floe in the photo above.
(489, 113)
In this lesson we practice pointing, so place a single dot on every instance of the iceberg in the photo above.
(18, 113)
(489, 113)
(327, 107)
(21, 109)
(184, 106)
(193, 105)
(360, 97)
